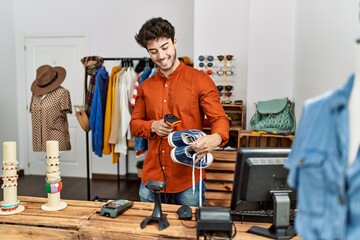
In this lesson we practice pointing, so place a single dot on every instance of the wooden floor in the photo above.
(76, 188)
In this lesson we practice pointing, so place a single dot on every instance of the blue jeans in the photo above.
(182, 198)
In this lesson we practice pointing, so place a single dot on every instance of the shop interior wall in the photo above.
(325, 46)
(8, 98)
(294, 48)
(260, 34)
(110, 26)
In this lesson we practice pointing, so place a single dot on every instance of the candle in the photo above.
(9, 151)
(52, 149)
(9, 156)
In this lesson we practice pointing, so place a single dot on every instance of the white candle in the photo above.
(52, 152)
(9, 155)
(9, 151)
(52, 149)
(10, 195)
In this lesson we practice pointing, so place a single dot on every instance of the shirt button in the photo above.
(302, 161)
(164, 100)
(163, 151)
(163, 167)
(166, 85)
(341, 199)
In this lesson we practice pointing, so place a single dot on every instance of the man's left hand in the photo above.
(206, 144)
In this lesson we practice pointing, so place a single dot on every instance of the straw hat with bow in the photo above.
(47, 79)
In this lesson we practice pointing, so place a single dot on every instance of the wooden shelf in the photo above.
(249, 139)
(219, 178)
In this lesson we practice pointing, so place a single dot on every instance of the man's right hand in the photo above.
(161, 128)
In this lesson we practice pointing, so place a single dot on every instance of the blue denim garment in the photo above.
(328, 190)
(97, 113)
(141, 144)
(186, 197)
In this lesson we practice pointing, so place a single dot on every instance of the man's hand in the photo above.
(206, 144)
(161, 128)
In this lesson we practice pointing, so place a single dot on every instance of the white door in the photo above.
(65, 51)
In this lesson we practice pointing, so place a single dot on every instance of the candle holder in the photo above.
(53, 183)
(10, 205)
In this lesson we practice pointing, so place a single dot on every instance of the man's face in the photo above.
(163, 53)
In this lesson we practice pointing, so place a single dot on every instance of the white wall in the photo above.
(222, 29)
(271, 46)
(110, 26)
(325, 39)
(282, 47)
(260, 34)
(8, 97)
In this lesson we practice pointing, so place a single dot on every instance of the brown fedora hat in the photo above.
(47, 79)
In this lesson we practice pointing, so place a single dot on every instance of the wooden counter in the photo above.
(82, 220)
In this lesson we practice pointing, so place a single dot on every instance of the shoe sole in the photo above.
(171, 143)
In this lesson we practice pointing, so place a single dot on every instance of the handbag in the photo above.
(80, 111)
(82, 117)
(274, 116)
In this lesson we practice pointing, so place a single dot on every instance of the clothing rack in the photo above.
(122, 59)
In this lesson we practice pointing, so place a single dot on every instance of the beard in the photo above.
(172, 63)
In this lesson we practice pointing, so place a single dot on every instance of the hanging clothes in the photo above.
(141, 144)
(134, 92)
(328, 189)
(115, 122)
(109, 111)
(97, 113)
(49, 119)
(92, 65)
(125, 116)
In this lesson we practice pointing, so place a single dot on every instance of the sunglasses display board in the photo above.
(220, 69)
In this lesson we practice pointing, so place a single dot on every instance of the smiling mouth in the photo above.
(164, 61)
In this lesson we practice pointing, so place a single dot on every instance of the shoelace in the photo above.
(192, 138)
(193, 178)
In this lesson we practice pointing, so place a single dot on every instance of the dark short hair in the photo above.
(154, 28)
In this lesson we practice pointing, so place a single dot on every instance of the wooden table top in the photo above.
(82, 220)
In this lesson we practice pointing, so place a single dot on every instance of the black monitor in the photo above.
(260, 183)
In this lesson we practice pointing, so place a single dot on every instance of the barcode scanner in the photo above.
(172, 120)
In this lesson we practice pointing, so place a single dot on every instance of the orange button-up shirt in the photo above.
(187, 93)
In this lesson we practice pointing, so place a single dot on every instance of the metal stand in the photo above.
(280, 229)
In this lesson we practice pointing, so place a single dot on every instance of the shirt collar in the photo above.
(342, 95)
(177, 70)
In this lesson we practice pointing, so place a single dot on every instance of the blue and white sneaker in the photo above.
(184, 138)
(186, 155)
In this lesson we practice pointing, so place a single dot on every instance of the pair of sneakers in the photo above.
(182, 151)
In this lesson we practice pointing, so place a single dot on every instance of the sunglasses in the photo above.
(227, 94)
(227, 73)
(209, 64)
(208, 58)
(227, 88)
(222, 57)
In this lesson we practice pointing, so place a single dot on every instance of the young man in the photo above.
(186, 93)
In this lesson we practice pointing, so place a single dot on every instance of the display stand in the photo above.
(10, 205)
(53, 179)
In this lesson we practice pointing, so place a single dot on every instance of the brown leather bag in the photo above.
(91, 66)
(82, 118)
